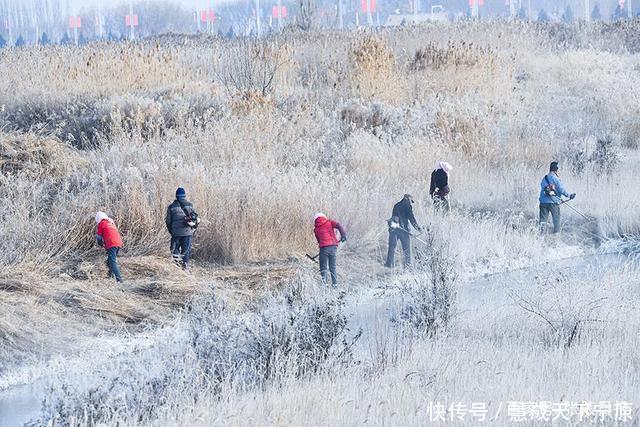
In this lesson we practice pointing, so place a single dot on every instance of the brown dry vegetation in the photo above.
(344, 123)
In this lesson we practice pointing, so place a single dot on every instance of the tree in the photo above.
(619, 13)
(595, 13)
(65, 40)
(20, 41)
(567, 15)
(82, 40)
(307, 16)
(542, 16)
(522, 13)
(3, 42)
(44, 39)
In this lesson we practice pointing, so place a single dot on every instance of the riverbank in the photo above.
(368, 307)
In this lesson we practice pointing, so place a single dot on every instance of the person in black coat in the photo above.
(401, 217)
(181, 220)
(439, 188)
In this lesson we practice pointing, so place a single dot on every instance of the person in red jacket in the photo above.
(107, 235)
(328, 243)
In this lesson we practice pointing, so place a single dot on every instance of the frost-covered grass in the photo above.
(292, 360)
(209, 350)
(344, 123)
(350, 122)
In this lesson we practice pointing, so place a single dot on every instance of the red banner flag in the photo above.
(75, 22)
(207, 15)
(279, 12)
(371, 6)
(131, 22)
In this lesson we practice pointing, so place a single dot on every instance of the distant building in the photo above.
(401, 19)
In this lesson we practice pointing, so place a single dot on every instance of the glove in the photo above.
(343, 239)
(572, 196)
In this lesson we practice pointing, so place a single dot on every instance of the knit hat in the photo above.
(319, 215)
(180, 193)
(100, 216)
(554, 167)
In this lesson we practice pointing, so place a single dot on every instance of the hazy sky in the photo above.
(188, 4)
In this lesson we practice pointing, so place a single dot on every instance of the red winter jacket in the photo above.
(325, 234)
(109, 233)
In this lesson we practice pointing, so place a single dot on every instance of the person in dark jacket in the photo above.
(328, 242)
(551, 190)
(107, 235)
(401, 217)
(439, 188)
(181, 221)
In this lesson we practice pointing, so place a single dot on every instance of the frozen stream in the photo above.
(372, 312)
(479, 298)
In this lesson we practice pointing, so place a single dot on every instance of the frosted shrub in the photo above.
(454, 55)
(605, 156)
(250, 68)
(374, 118)
(563, 302)
(430, 294)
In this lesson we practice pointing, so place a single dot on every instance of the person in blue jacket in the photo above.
(551, 190)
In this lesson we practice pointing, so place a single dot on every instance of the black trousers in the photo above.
(405, 240)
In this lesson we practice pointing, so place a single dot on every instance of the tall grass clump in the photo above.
(430, 294)
(374, 69)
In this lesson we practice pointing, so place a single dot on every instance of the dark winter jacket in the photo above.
(439, 183)
(403, 214)
(325, 234)
(175, 219)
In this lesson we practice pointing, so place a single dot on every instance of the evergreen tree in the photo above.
(82, 40)
(542, 16)
(595, 13)
(522, 14)
(619, 13)
(567, 15)
(44, 39)
(65, 40)
(3, 42)
(231, 34)
(20, 41)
